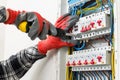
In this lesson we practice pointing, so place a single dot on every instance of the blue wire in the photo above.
(101, 4)
(83, 76)
(76, 75)
(110, 75)
(102, 75)
(83, 45)
(112, 23)
(110, 4)
(82, 4)
(91, 76)
(73, 10)
(111, 20)
(96, 76)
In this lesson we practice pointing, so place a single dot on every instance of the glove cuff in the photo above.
(51, 43)
(42, 47)
(12, 16)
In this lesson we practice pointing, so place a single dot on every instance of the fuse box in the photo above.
(93, 56)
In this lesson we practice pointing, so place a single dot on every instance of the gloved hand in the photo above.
(65, 22)
(2, 14)
(35, 25)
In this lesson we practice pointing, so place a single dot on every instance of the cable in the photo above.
(90, 75)
(94, 7)
(106, 75)
(110, 75)
(81, 73)
(86, 76)
(80, 48)
(98, 75)
(93, 75)
(91, 5)
(102, 75)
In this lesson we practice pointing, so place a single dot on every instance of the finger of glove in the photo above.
(66, 25)
(21, 17)
(2, 14)
(62, 17)
(66, 20)
(74, 42)
(44, 32)
(63, 21)
(49, 29)
(70, 24)
(34, 30)
(31, 16)
(52, 30)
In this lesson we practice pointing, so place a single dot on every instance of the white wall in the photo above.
(2, 33)
(15, 40)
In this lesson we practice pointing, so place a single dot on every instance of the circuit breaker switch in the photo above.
(68, 63)
(92, 24)
(99, 58)
(86, 62)
(83, 29)
(92, 61)
(99, 22)
(88, 28)
(73, 63)
(79, 62)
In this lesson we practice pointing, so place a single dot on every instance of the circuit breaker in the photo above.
(92, 58)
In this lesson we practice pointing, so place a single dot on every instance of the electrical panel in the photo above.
(92, 58)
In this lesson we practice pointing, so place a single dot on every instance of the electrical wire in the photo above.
(106, 75)
(80, 48)
(102, 75)
(94, 7)
(81, 73)
(86, 75)
(110, 75)
(98, 75)
(93, 75)
(90, 75)
(91, 5)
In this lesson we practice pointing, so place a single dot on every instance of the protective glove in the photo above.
(2, 14)
(35, 25)
(65, 22)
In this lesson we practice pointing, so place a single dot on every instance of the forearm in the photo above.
(17, 65)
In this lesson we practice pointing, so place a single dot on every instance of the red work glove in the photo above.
(35, 25)
(65, 22)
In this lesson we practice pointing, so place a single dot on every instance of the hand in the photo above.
(65, 22)
(3, 15)
(35, 25)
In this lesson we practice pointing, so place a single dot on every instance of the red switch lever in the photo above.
(92, 61)
(92, 24)
(86, 62)
(79, 62)
(73, 63)
(99, 58)
(83, 29)
(99, 22)
(68, 63)
(88, 28)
